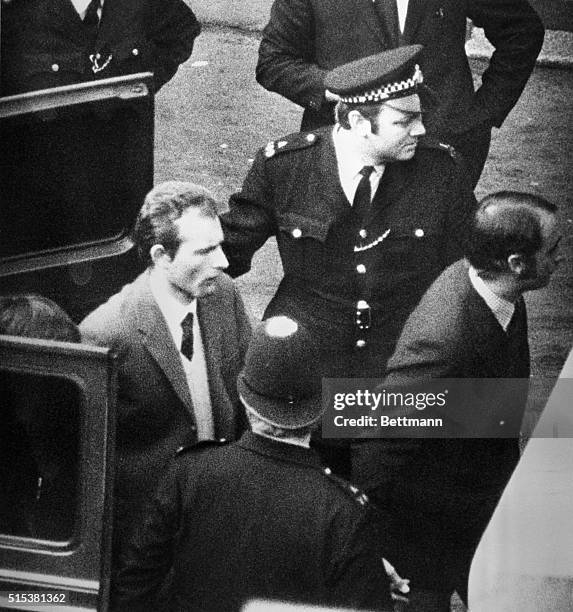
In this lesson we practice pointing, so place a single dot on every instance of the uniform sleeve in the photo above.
(147, 556)
(458, 215)
(286, 62)
(249, 222)
(244, 324)
(516, 32)
(174, 28)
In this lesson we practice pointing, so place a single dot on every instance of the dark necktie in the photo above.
(91, 19)
(388, 13)
(363, 196)
(517, 344)
(187, 339)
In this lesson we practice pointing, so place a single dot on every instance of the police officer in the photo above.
(47, 44)
(365, 215)
(259, 518)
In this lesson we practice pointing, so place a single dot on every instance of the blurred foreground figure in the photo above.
(48, 43)
(259, 518)
(471, 324)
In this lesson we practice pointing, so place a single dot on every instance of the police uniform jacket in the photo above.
(46, 44)
(442, 492)
(306, 38)
(255, 519)
(415, 229)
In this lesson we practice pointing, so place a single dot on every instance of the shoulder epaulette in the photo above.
(354, 492)
(292, 142)
(434, 143)
(199, 446)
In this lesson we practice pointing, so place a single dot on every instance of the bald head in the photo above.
(506, 223)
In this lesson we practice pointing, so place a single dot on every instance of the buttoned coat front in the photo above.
(155, 411)
(442, 492)
(415, 230)
(45, 43)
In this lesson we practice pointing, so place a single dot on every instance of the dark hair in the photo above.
(368, 111)
(34, 316)
(506, 222)
(163, 205)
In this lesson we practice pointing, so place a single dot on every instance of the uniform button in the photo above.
(222, 440)
(361, 269)
(327, 471)
(419, 233)
(55, 67)
(502, 423)
(360, 343)
(135, 51)
(296, 232)
(311, 137)
(363, 233)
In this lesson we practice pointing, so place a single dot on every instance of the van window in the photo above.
(39, 455)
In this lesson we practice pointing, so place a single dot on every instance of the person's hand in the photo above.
(399, 587)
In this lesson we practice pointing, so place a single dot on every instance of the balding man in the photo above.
(470, 324)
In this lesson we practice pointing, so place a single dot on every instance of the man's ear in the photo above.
(517, 264)
(359, 123)
(158, 254)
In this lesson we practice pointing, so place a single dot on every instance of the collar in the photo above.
(81, 7)
(348, 157)
(173, 310)
(279, 450)
(501, 308)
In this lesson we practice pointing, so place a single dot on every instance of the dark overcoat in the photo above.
(304, 39)
(255, 519)
(46, 44)
(442, 492)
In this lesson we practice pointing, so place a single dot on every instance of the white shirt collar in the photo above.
(81, 7)
(350, 163)
(402, 12)
(501, 308)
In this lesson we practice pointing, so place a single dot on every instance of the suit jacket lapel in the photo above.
(157, 339)
(209, 311)
(65, 19)
(413, 19)
(373, 20)
(490, 338)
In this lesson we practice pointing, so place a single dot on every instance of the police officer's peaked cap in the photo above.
(376, 78)
(281, 380)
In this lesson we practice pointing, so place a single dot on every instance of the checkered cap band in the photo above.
(387, 91)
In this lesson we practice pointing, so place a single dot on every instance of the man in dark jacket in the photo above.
(470, 325)
(259, 518)
(364, 215)
(350, 242)
(48, 44)
(304, 39)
